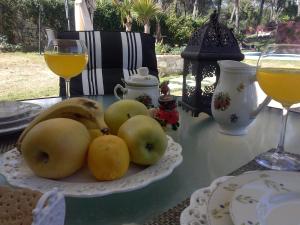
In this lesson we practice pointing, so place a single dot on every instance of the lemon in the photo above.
(108, 157)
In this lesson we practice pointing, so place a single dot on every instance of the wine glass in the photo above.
(278, 74)
(66, 58)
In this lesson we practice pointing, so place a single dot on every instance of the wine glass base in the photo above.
(279, 161)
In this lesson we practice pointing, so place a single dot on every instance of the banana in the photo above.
(84, 110)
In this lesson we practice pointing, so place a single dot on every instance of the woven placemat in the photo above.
(172, 216)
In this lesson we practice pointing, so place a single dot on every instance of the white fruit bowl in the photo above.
(82, 183)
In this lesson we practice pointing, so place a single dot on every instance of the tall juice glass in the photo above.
(66, 58)
(278, 74)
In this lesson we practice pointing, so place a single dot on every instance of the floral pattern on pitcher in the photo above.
(241, 87)
(222, 101)
(233, 118)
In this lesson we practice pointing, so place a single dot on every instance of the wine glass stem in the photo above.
(280, 146)
(68, 95)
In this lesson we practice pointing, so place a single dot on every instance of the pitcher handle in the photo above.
(265, 102)
(119, 86)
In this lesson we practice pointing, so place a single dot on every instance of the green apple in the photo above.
(145, 138)
(117, 113)
(56, 148)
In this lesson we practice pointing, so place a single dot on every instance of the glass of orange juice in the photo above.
(66, 58)
(278, 74)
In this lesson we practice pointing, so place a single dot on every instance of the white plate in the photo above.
(244, 203)
(26, 118)
(196, 212)
(12, 110)
(218, 203)
(14, 129)
(82, 184)
(278, 209)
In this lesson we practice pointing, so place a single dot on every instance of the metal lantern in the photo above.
(210, 43)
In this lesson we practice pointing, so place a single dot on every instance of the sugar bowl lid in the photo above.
(142, 78)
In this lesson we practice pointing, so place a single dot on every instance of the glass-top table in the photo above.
(207, 154)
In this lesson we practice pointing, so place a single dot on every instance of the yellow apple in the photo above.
(56, 148)
(145, 138)
(117, 113)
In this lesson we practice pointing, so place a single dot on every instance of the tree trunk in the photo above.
(219, 6)
(237, 12)
(1, 19)
(158, 32)
(147, 28)
(196, 9)
(232, 14)
(298, 12)
(128, 24)
(261, 10)
(176, 6)
(128, 27)
(273, 9)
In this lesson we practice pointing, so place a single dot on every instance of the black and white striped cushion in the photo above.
(112, 56)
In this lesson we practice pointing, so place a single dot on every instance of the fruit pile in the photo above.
(78, 132)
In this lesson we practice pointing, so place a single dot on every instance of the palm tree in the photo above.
(125, 9)
(144, 11)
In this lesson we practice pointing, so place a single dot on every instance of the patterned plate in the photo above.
(82, 184)
(196, 212)
(254, 202)
(218, 203)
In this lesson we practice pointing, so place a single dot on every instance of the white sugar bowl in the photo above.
(141, 86)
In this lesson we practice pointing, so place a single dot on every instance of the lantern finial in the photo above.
(214, 17)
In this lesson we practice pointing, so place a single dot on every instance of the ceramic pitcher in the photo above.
(234, 103)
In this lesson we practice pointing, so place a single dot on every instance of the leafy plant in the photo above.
(144, 11)
(179, 29)
(105, 17)
(125, 9)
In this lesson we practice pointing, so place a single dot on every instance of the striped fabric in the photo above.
(112, 56)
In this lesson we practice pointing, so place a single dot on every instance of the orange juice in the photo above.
(283, 85)
(66, 65)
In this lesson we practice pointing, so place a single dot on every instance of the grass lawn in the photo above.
(26, 75)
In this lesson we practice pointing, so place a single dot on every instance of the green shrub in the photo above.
(107, 17)
(161, 48)
(178, 30)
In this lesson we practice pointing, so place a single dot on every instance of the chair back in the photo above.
(112, 56)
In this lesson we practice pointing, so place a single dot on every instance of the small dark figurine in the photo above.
(167, 112)
(164, 88)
